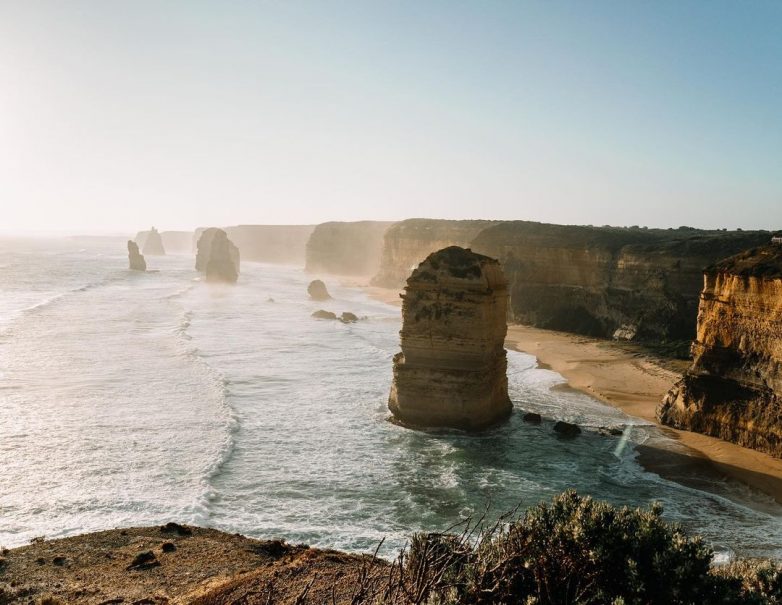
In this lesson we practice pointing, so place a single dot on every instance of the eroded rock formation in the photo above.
(135, 259)
(452, 368)
(317, 290)
(733, 389)
(153, 245)
(217, 256)
(346, 248)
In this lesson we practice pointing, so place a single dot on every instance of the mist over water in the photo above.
(134, 399)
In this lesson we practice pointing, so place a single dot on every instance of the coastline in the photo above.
(635, 383)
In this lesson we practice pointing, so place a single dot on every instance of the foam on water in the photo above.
(145, 398)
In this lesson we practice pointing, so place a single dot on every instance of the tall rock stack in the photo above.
(733, 390)
(217, 256)
(135, 259)
(452, 368)
(153, 245)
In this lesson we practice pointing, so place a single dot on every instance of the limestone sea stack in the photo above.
(135, 259)
(217, 256)
(733, 390)
(153, 245)
(452, 368)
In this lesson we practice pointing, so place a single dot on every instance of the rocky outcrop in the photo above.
(317, 290)
(217, 256)
(733, 390)
(631, 284)
(323, 314)
(346, 248)
(278, 244)
(452, 368)
(135, 259)
(153, 244)
(407, 242)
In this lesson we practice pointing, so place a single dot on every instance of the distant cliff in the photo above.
(281, 244)
(409, 242)
(177, 242)
(734, 388)
(346, 248)
(633, 284)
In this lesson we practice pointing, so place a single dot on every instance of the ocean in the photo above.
(130, 399)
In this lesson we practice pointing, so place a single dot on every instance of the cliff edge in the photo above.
(733, 390)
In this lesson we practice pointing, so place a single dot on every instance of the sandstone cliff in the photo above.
(280, 244)
(346, 248)
(217, 256)
(734, 388)
(452, 368)
(136, 261)
(153, 244)
(407, 242)
(632, 284)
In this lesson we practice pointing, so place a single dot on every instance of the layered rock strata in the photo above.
(217, 256)
(153, 244)
(136, 261)
(346, 248)
(452, 368)
(733, 389)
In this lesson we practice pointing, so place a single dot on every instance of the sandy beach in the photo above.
(635, 382)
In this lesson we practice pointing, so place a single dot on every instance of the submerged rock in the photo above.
(135, 258)
(567, 429)
(153, 246)
(217, 256)
(317, 290)
(733, 390)
(321, 314)
(348, 317)
(452, 368)
(532, 418)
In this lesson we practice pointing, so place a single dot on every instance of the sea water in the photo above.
(131, 399)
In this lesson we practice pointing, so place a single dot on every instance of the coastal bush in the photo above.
(573, 550)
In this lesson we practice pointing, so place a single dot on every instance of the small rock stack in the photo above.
(452, 368)
(135, 259)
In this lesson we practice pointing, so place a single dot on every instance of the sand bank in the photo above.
(635, 383)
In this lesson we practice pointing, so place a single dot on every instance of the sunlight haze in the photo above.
(118, 115)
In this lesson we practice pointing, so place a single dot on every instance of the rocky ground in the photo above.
(178, 564)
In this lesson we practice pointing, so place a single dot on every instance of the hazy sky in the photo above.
(115, 115)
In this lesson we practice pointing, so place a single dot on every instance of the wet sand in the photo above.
(634, 382)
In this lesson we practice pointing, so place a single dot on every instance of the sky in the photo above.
(116, 115)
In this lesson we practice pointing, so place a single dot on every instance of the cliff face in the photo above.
(632, 284)
(346, 248)
(153, 244)
(734, 388)
(452, 368)
(217, 256)
(408, 242)
(280, 244)
(136, 261)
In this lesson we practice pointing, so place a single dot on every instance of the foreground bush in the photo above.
(573, 550)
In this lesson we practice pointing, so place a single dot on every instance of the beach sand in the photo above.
(635, 382)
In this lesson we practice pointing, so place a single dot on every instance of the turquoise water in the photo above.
(135, 399)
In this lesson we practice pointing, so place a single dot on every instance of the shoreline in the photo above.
(635, 382)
